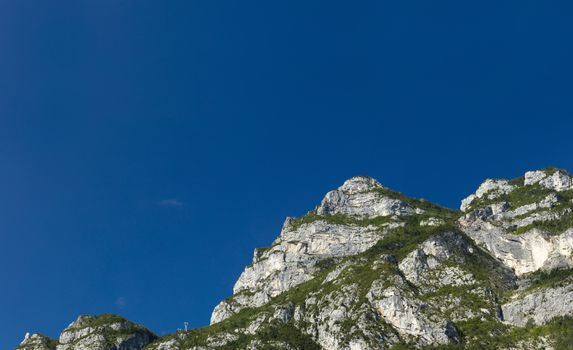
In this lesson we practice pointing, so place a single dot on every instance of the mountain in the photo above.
(104, 332)
(370, 268)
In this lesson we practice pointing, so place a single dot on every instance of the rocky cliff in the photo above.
(370, 268)
(104, 332)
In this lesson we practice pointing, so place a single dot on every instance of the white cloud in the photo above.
(121, 302)
(171, 202)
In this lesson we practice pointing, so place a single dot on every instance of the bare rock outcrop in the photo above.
(37, 342)
(539, 306)
(306, 241)
(104, 332)
(527, 223)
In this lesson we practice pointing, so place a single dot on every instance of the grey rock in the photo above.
(292, 260)
(539, 306)
(36, 342)
(558, 181)
(406, 314)
(105, 332)
(492, 225)
(490, 189)
(425, 266)
(293, 257)
(357, 197)
(529, 252)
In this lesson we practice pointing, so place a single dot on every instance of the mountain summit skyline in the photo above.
(369, 268)
(146, 147)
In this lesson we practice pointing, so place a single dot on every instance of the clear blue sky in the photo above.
(146, 147)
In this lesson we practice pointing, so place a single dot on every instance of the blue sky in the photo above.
(147, 147)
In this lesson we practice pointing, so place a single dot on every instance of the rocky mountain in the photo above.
(370, 268)
(104, 332)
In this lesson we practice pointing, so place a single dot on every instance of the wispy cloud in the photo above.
(171, 202)
(121, 302)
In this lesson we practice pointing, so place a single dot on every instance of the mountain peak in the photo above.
(88, 332)
(363, 196)
(37, 341)
(550, 178)
(490, 189)
(91, 331)
(358, 184)
(524, 221)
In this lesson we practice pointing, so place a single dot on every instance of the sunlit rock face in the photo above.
(105, 332)
(490, 189)
(36, 342)
(303, 243)
(540, 305)
(358, 197)
(527, 222)
(498, 236)
(556, 180)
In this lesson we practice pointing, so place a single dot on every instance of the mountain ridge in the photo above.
(370, 268)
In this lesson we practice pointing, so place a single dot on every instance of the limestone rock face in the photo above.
(105, 332)
(358, 197)
(348, 223)
(528, 223)
(490, 189)
(418, 297)
(424, 266)
(37, 342)
(301, 245)
(540, 305)
(375, 301)
(292, 260)
(558, 180)
(405, 313)
(529, 252)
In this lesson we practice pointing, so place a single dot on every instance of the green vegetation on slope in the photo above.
(557, 226)
(520, 196)
(493, 335)
(339, 219)
(550, 279)
(267, 334)
(523, 194)
(108, 319)
(362, 270)
(53, 343)
(528, 194)
(430, 210)
(398, 242)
